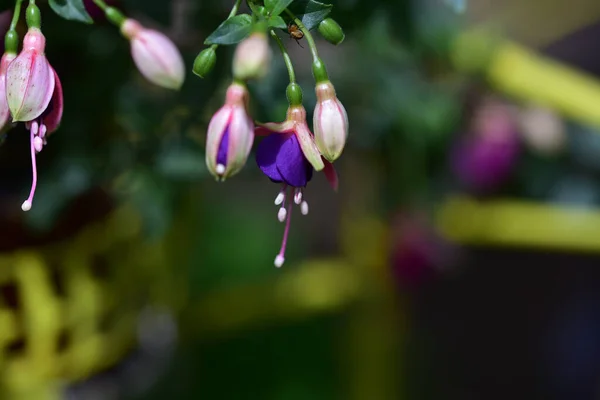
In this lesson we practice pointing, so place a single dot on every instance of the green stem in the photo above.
(307, 34)
(101, 4)
(286, 56)
(16, 15)
(235, 8)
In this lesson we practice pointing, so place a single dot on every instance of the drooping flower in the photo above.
(40, 128)
(330, 122)
(230, 134)
(155, 55)
(30, 79)
(288, 155)
(252, 57)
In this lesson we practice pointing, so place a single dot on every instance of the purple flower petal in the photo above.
(223, 147)
(266, 155)
(292, 165)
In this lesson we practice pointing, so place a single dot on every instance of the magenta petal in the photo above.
(266, 155)
(53, 114)
(292, 165)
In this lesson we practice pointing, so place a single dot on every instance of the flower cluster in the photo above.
(31, 90)
(289, 153)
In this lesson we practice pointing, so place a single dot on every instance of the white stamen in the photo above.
(42, 132)
(280, 198)
(279, 260)
(220, 169)
(282, 214)
(26, 206)
(298, 196)
(304, 208)
(35, 127)
(38, 143)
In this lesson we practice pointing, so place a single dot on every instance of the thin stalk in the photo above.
(286, 56)
(16, 15)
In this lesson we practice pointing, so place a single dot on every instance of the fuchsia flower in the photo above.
(287, 156)
(30, 79)
(230, 135)
(252, 57)
(330, 122)
(155, 55)
(34, 96)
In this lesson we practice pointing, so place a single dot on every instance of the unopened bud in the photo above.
(155, 55)
(331, 31)
(205, 62)
(252, 57)
(330, 122)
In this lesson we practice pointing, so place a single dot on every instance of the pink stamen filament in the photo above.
(279, 260)
(26, 206)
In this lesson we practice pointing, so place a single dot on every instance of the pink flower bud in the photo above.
(230, 135)
(29, 79)
(155, 55)
(330, 122)
(5, 124)
(252, 57)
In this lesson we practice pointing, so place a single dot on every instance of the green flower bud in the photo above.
(331, 31)
(205, 62)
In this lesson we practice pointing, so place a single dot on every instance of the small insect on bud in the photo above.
(252, 57)
(205, 62)
(331, 31)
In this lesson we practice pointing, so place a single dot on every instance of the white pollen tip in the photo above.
(282, 214)
(220, 169)
(279, 260)
(304, 208)
(279, 199)
(298, 198)
(26, 206)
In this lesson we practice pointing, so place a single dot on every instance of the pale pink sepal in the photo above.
(29, 79)
(5, 124)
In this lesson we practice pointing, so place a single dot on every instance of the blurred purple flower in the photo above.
(483, 159)
(418, 253)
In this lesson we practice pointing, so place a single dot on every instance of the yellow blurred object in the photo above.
(514, 223)
(69, 309)
(522, 73)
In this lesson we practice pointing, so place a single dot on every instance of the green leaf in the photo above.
(276, 7)
(277, 22)
(231, 31)
(73, 10)
(310, 12)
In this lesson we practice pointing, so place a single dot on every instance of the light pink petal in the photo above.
(308, 146)
(158, 59)
(241, 137)
(30, 85)
(216, 130)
